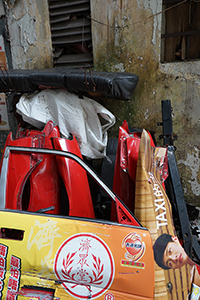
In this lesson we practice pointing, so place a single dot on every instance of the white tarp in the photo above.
(85, 118)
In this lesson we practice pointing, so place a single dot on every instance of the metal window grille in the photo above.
(181, 30)
(71, 33)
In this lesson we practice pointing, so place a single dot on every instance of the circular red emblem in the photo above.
(85, 266)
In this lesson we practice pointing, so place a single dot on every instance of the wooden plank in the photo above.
(3, 61)
(71, 24)
(175, 20)
(74, 58)
(74, 9)
(71, 32)
(78, 38)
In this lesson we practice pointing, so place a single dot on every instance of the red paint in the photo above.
(126, 165)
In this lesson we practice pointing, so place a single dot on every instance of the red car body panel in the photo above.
(126, 165)
(33, 181)
(75, 179)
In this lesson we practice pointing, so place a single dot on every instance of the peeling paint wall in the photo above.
(127, 38)
(29, 33)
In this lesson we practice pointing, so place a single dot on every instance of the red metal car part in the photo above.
(44, 181)
(124, 216)
(74, 178)
(126, 165)
(33, 180)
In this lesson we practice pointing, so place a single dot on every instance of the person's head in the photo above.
(168, 252)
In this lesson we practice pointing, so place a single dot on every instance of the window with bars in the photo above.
(181, 30)
(71, 33)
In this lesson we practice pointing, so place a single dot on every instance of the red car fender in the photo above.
(75, 179)
(126, 165)
(33, 180)
(44, 179)
(19, 167)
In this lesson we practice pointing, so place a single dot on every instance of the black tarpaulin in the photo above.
(110, 84)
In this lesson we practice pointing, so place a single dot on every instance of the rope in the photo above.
(141, 21)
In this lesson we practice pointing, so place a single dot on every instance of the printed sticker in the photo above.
(85, 266)
(135, 250)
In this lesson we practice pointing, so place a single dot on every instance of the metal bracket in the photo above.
(189, 241)
(180, 201)
(173, 183)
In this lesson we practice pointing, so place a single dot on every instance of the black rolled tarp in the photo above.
(110, 84)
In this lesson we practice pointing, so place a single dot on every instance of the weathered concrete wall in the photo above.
(29, 33)
(125, 38)
(122, 42)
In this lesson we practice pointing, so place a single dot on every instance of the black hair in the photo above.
(159, 248)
